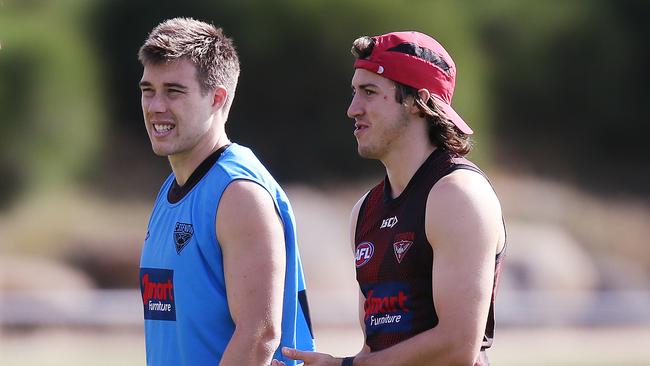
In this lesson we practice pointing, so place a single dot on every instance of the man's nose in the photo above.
(355, 109)
(156, 104)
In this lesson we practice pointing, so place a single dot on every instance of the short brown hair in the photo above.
(442, 131)
(212, 53)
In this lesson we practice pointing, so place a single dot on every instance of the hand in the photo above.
(309, 358)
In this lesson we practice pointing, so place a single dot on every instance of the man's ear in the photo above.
(220, 96)
(424, 95)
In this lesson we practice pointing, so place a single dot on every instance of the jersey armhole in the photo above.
(361, 212)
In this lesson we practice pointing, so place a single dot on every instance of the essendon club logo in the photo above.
(182, 234)
(157, 288)
(403, 241)
(364, 253)
(400, 249)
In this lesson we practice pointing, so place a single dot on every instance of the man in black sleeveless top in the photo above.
(429, 239)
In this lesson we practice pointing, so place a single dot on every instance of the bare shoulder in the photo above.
(461, 200)
(245, 208)
(241, 196)
(461, 187)
(246, 189)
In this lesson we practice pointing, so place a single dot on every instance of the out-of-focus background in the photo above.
(555, 91)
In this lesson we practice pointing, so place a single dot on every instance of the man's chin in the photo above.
(366, 153)
(160, 151)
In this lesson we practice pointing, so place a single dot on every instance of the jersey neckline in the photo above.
(389, 200)
(177, 192)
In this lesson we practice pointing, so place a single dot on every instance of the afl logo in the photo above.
(364, 253)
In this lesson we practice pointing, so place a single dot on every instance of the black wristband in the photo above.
(347, 361)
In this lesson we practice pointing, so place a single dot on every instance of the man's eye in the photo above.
(369, 92)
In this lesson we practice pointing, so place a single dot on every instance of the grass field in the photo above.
(513, 347)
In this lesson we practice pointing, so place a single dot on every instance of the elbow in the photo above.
(270, 337)
(462, 351)
(267, 341)
(462, 357)
(260, 342)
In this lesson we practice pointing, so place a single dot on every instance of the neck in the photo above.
(406, 157)
(184, 164)
(402, 168)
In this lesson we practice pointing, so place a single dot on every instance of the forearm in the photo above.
(251, 348)
(430, 348)
(364, 350)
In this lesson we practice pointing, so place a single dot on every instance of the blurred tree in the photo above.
(562, 81)
(570, 80)
(49, 96)
(296, 67)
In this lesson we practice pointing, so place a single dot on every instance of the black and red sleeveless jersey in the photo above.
(394, 258)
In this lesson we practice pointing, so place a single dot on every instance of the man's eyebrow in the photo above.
(365, 86)
(166, 85)
(175, 85)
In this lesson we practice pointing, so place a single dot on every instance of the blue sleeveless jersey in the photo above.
(187, 320)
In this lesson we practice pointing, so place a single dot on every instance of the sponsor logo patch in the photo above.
(389, 223)
(364, 253)
(157, 288)
(387, 308)
(182, 234)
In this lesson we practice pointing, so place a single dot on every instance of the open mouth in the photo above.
(162, 129)
(358, 127)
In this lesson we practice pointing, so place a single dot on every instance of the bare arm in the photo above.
(463, 225)
(252, 241)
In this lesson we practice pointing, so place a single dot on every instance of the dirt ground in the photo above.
(517, 346)
(329, 271)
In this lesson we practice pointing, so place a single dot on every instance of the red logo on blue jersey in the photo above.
(157, 287)
(364, 253)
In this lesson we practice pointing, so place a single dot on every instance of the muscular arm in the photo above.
(463, 225)
(252, 241)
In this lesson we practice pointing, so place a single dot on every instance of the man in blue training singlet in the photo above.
(429, 239)
(220, 273)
